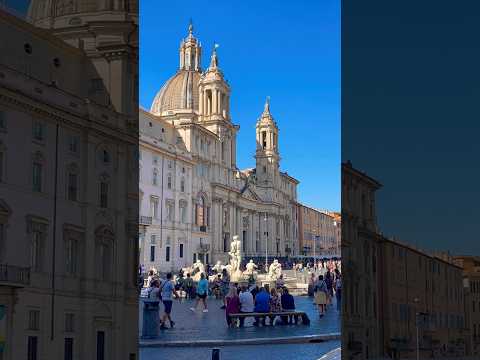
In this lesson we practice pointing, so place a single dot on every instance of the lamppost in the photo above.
(266, 242)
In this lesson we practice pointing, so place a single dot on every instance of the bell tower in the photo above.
(214, 93)
(267, 155)
(190, 52)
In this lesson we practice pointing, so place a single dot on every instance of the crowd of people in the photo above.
(245, 297)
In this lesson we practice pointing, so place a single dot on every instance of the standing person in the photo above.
(311, 283)
(150, 277)
(280, 283)
(233, 304)
(167, 290)
(338, 289)
(329, 282)
(225, 286)
(275, 304)
(202, 292)
(320, 290)
(188, 285)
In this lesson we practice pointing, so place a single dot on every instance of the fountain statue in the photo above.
(235, 259)
(275, 270)
(250, 268)
(218, 267)
(197, 269)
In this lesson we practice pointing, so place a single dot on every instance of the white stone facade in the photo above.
(258, 204)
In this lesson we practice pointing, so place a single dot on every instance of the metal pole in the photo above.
(266, 243)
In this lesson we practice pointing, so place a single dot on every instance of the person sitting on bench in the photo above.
(262, 304)
(288, 304)
(246, 303)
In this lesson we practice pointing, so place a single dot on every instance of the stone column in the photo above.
(219, 102)
(200, 102)
(251, 248)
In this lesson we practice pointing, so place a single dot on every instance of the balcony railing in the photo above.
(14, 275)
(145, 220)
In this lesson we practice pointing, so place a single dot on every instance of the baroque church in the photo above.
(259, 204)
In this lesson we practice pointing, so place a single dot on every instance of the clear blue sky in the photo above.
(287, 50)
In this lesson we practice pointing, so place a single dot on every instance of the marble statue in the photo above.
(250, 268)
(235, 258)
(235, 253)
(218, 267)
(275, 270)
(197, 269)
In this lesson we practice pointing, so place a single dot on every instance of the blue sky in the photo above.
(287, 50)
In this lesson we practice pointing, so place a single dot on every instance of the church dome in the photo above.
(180, 92)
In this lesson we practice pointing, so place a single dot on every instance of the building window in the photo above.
(3, 121)
(264, 139)
(167, 253)
(155, 177)
(183, 212)
(181, 251)
(71, 253)
(34, 320)
(169, 164)
(2, 162)
(154, 207)
(36, 251)
(170, 210)
(153, 239)
(152, 253)
(201, 211)
(100, 345)
(169, 181)
(38, 131)
(182, 185)
(155, 160)
(103, 194)
(37, 176)
(73, 142)
(69, 322)
(104, 251)
(72, 183)
(68, 349)
(32, 348)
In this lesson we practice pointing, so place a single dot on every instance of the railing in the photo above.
(14, 275)
(145, 220)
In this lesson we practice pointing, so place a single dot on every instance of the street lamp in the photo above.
(266, 242)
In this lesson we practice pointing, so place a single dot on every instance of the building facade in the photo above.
(392, 289)
(258, 204)
(319, 232)
(471, 282)
(68, 182)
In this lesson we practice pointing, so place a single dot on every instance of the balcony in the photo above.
(14, 276)
(145, 220)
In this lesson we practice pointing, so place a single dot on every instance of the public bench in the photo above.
(295, 315)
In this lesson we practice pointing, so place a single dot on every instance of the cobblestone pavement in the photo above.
(212, 325)
(246, 352)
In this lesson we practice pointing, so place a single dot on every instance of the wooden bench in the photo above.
(296, 315)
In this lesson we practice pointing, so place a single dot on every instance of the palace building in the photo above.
(198, 216)
(69, 181)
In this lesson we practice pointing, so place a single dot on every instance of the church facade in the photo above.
(259, 204)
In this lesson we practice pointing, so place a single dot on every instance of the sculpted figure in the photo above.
(250, 268)
(235, 253)
(218, 267)
(275, 270)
